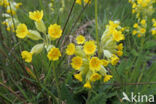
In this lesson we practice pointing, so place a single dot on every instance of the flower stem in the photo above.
(89, 95)
(57, 82)
(96, 26)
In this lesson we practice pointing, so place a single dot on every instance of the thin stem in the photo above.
(57, 82)
(48, 74)
(96, 24)
(89, 95)
(69, 15)
(13, 92)
(82, 11)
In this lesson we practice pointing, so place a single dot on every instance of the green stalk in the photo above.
(48, 74)
(57, 82)
(96, 26)
(89, 96)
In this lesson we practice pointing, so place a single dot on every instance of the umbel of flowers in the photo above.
(11, 8)
(110, 42)
(153, 30)
(54, 32)
(142, 8)
(88, 66)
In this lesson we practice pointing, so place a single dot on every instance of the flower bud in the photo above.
(34, 35)
(41, 26)
(37, 48)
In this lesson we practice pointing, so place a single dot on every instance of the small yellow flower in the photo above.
(143, 22)
(78, 77)
(105, 62)
(133, 11)
(18, 5)
(120, 47)
(87, 1)
(95, 76)
(27, 56)
(55, 31)
(142, 30)
(80, 39)
(95, 64)
(77, 62)
(89, 47)
(119, 53)
(21, 31)
(153, 32)
(114, 60)
(11, 11)
(139, 35)
(135, 25)
(118, 36)
(70, 49)
(107, 78)
(78, 2)
(134, 32)
(36, 15)
(87, 85)
(54, 54)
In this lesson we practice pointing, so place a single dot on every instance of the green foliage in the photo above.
(137, 65)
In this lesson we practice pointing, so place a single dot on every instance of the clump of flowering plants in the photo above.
(57, 54)
(89, 67)
(54, 32)
(9, 14)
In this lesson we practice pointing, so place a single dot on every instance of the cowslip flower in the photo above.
(27, 56)
(89, 47)
(4, 3)
(87, 84)
(55, 31)
(11, 9)
(95, 64)
(77, 62)
(80, 39)
(140, 28)
(87, 1)
(90, 68)
(70, 49)
(21, 31)
(36, 15)
(54, 54)
(95, 76)
(110, 46)
(18, 5)
(153, 30)
(142, 8)
(79, 2)
(78, 77)
(107, 78)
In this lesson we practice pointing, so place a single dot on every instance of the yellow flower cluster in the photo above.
(110, 39)
(54, 32)
(4, 3)
(85, 1)
(153, 30)
(88, 65)
(140, 28)
(142, 8)
(11, 8)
